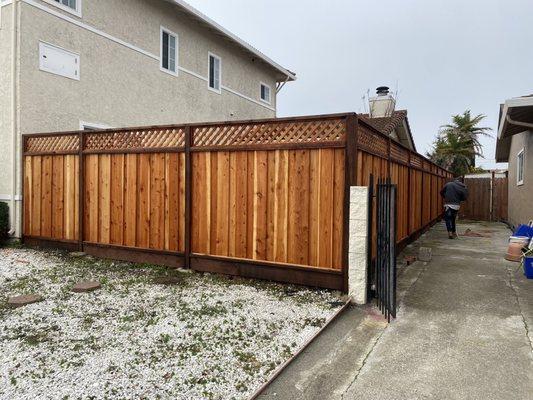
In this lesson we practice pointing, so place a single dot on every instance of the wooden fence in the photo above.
(264, 199)
(487, 199)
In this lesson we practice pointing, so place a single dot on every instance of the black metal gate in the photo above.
(382, 268)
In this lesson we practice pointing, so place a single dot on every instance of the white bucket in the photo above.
(523, 240)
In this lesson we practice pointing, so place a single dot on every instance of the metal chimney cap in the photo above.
(382, 90)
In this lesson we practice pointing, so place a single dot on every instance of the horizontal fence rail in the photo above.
(265, 199)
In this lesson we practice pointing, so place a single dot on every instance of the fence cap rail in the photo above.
(197, 124)
(423, 159)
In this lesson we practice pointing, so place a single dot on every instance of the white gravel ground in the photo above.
(206, 337)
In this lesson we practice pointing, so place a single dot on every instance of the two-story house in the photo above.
(515, 146)
(82, 64)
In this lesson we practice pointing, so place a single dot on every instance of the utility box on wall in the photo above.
(59, 61)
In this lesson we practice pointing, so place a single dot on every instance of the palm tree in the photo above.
(457, 144)
(453, 152)
(466, 127)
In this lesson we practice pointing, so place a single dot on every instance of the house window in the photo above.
(520, 168)
(169, 51)
(71, 6)
(265, 93)
(215, 72)
(91, 126)
(68, 3)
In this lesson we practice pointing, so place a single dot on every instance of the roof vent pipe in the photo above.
(383, 104)
(382, 90)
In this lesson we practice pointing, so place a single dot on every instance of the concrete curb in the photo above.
(280, 369)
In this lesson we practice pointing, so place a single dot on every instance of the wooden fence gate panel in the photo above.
(265, 199)
(487, 199)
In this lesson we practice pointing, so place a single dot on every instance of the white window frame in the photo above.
(269, 101)
(44, 69)
(176, 51)
(93, 125)
(76, 12)
(219, 90)
(520, 154)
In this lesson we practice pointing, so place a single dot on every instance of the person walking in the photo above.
(453, 193)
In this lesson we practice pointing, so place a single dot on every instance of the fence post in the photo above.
(81, 192)
(409, 194)
(188, 196)
(350, 178)
(422, 197)
(388, 157)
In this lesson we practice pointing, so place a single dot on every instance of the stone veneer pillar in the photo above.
(357, 250)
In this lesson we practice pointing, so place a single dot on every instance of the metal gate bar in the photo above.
(385, 265)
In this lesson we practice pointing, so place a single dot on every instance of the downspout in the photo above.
(14, 116)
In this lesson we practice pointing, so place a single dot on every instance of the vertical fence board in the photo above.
(239, 193)
(36, 196)
(57, 197)
(325, 253)
(314, 205)
(173, 202)
(46, 203)
(91, 198)
(157, 202)
(260, 200)
(28, 194)
(220, 203)
(104, 198)
(70, 198)
(130, 200)
(143, 221)
(338, 211)
(116, 235)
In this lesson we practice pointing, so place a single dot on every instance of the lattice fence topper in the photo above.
(372, 142)
(416, 161)
(136, 139)
(398, 153)
(52, 144)
(332, 130)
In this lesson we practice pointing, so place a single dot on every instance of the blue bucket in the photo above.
(524, 230)
(528, 267)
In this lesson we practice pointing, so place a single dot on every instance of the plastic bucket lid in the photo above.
(519, 239)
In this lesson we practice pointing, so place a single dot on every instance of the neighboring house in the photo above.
(86, 64)
(387, 120)
(515, 146)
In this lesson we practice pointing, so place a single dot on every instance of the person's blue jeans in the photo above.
(449, 217)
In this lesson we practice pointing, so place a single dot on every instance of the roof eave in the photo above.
(287, 74)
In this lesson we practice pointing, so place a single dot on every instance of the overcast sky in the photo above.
(444, 56)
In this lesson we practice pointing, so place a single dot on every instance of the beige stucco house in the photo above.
(515, 146)
(71, 64)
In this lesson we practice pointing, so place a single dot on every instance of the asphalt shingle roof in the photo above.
(386, 124)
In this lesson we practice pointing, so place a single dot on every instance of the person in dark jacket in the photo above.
(453, 194)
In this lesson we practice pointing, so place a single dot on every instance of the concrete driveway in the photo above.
(464, 331)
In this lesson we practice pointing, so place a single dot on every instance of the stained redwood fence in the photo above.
(265, 199)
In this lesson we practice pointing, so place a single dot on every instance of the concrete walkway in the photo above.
(464, 331)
